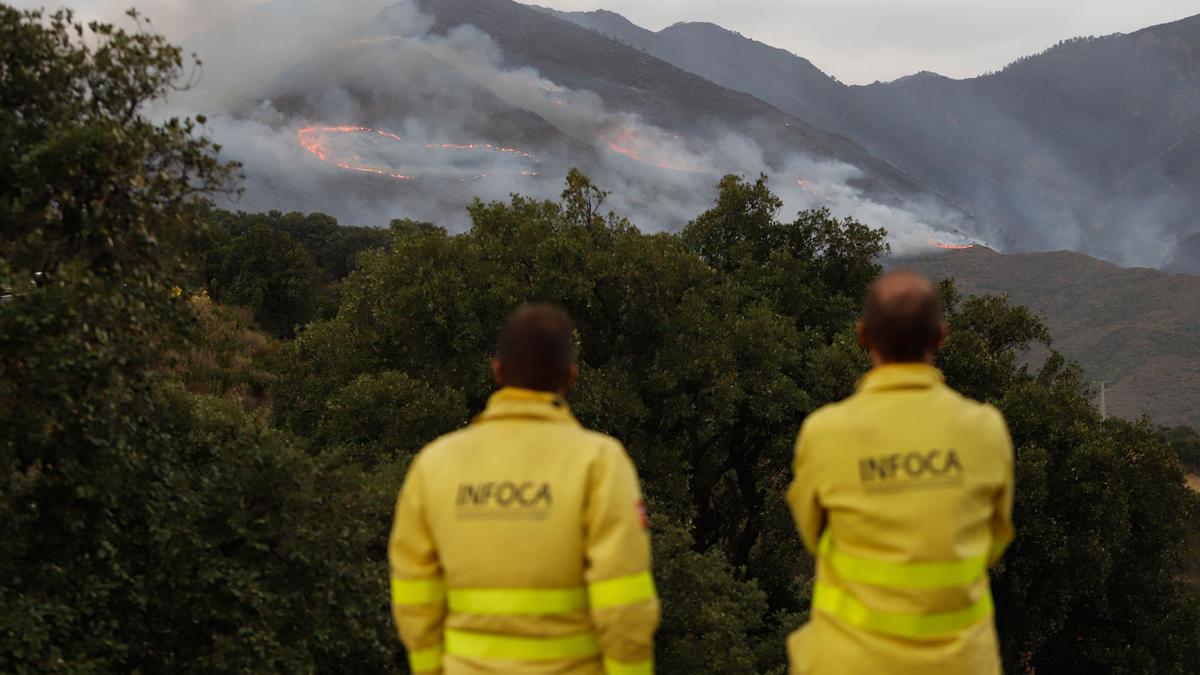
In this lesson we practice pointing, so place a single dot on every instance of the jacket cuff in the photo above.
(427, 660)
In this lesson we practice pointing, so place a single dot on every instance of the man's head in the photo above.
(537, 350)
(902, 322)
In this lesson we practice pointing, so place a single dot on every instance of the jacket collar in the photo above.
(514, 402)
(901, 376)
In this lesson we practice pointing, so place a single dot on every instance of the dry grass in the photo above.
(229, 358)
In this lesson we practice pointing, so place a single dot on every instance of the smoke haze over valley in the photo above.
(393, 117)
(1090, 146)
(373, 110)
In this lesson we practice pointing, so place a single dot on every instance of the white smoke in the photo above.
(292, 64)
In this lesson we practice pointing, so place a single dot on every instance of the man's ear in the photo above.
(860, 329)
(572, 375)
(498, 373)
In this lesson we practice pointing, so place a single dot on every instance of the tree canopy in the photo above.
(146, 528)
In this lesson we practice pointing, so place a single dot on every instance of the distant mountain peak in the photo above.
(921, 76)
(605, 13)
(702, 25)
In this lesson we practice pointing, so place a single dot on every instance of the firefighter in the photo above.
(519, 543)
(903, 492)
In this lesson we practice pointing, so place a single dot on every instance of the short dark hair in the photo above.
(537, 348)
(903, 316)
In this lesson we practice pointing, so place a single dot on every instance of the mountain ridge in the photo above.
(1067, 148)
(670, 45)
(533, 43)
(664, 94)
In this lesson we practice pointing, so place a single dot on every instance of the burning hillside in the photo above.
(385, 154)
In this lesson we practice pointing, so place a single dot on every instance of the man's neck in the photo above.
(878, 360)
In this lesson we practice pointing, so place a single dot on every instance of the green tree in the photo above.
(1186, 442)
(146, 529)
(286, 267)
(272, 275)
(334, 247)
(384, 416)
(983, 354)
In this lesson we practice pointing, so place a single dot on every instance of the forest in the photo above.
(205, 414)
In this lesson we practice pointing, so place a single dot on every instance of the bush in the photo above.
(385, 416)
(271, 274)
(1186, 442)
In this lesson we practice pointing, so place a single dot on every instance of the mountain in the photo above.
(1092, 145)
(628, 79)
(384, 99)
(1138, 330)
(787, 81)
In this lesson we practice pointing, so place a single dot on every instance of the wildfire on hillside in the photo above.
(661, 152)
(317, 140)
(312, 140)
(948, 246)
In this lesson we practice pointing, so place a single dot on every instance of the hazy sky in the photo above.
(857, 41)
(860, 41)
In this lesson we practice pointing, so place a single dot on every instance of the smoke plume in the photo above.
(329, 114)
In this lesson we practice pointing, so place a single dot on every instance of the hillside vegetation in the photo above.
(1136, 329)
(181, 493)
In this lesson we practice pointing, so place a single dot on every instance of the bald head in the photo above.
(537, 350)
(902, 322)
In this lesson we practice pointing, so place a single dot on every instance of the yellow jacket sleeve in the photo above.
(802, 495)
(624, 604)
(418, 590)
(1002, 525)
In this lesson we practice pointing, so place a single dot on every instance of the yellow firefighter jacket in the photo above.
(904, 493)
(520, 546)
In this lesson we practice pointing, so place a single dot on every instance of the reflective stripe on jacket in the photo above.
(904, 494)
(519, 547)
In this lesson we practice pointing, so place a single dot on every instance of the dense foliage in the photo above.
(145, 528)
(1186, 442)
(179, 492)
(285, 268)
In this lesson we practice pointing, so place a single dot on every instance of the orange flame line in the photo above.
(950, 247)
(310, 139)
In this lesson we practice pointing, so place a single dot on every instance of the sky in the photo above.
(856, 41)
